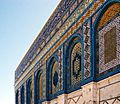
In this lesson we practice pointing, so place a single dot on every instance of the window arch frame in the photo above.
(50, 65)
(22, 97)
(29, 90)
(107, 73)
(38, 74)
(67, 74)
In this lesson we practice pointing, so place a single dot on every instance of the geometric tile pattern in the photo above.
(76, 64)
(44, 80)
(109, 45)
(52, 27)
(56, 66)
(40, 41)
(86, 33)
(73, 59)
(60, 68)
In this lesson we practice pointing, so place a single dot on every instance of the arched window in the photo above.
(39, 86)
(74, 63)
(17, 97)
(29, 93)
(22, 95)
(76, 57)
(53, 76)
(107, 33)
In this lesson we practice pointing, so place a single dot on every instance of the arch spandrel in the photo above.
(112, 11)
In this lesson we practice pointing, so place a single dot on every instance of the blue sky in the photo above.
(20, 23)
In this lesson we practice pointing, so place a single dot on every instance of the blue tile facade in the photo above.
(75, 23)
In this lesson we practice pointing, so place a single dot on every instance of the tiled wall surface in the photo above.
(95, 23)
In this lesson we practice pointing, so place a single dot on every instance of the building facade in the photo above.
(76, 57)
